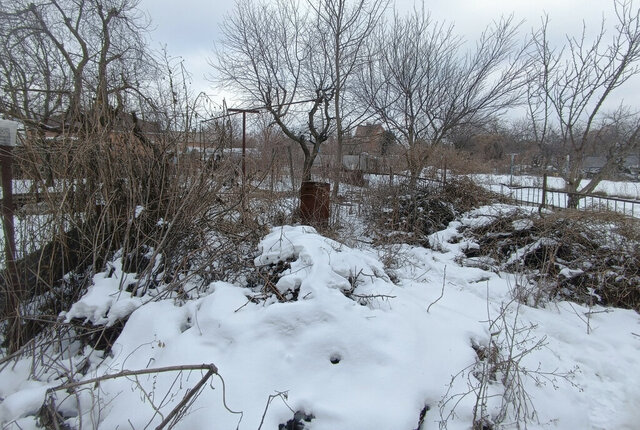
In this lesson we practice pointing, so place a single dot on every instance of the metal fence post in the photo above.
(544, 193)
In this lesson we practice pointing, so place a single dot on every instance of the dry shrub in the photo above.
(119, 192)
(465, 195)
(409, 214)
(588, 257)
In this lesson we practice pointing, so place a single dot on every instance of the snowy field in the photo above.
(364, 346)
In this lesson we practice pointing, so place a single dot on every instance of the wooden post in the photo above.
(273, 168)
(513, 156)
(444, 174)
(6, 162)
(244, 148)
(8, 131)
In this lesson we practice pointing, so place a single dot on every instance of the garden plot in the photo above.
(347, 342)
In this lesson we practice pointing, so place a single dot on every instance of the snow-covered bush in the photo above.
(588, 257)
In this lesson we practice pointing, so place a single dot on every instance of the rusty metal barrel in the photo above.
(315, 203)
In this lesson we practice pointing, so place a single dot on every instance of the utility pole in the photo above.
(513, 158)
(244, 149)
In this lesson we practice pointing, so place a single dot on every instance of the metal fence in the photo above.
(532, 195)
(558, 199)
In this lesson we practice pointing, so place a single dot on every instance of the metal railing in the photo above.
(559, 199)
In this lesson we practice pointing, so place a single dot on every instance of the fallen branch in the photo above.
(211, 367)
(372, 296)
(211, 370)
(190, 393)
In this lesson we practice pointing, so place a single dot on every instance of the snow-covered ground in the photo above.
(621, 197)
(364, 346)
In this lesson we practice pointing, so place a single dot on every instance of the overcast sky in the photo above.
(189, 28)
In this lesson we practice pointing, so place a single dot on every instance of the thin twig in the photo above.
(283, 395)
(444, 280)
(224, 401)
(372, 296)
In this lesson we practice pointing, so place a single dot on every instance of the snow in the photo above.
(522, 224)
(318, 262)
(25, 402)
(105, 301)
(356, 349)
(621, 197)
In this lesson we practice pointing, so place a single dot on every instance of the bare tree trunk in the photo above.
(292, 172)
(339, 138)
(573, 200)
(306, 168)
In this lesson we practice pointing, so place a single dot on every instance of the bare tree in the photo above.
(72, 66)
(34, 76)
(348, 27)
(423, 85)
(569, 90)
(272, 54)
(76, 59)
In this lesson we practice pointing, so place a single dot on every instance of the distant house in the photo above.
(370, 149)
(123, 123)
(368, 138)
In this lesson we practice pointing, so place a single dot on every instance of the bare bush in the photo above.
(497, 381)
(407, 213)
(123, 193)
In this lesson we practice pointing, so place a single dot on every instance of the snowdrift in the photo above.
(339, 345)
